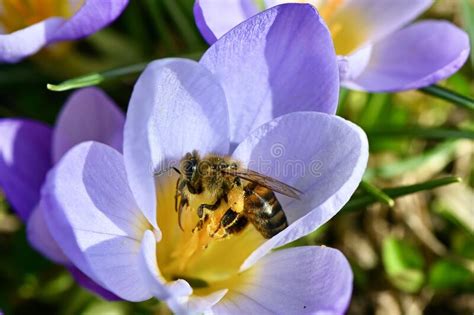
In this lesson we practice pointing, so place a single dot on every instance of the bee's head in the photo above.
(189, 167)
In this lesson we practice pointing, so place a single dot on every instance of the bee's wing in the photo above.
(267, 182)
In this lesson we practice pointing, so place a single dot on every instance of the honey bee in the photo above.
(223, 179)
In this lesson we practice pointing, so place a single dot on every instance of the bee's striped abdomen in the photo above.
(263, 210)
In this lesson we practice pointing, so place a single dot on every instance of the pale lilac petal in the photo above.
(322, 155)
(88, 115)
(25, 158)
(90, 18)
(352, 66)
(267, 71)
(171, 293)
(201, 304)
(379, 18)
(214, 18)
(90, 285)
(416, 56)
(176, 107)
(40, 238)
(303, 280)
(176, 294)
(95, 220)
(27, 41)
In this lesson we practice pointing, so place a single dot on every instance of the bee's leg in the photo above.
(183, 202)
(202, 216)
(232, 222)
(200, 223)
(180, 184)
(237, 182)
(213, 207)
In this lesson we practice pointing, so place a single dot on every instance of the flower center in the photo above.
(346, 27)
(18, 14)
(204, 256)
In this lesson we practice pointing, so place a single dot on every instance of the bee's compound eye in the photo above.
(233, 166)
(189, 168)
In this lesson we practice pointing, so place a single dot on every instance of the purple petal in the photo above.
(27, 41)
(25, 158)
(168, 292)
(89, 114)
(176, 294)
(41, 239)
(322, 155)
(214, 18)
(95, 220)
(267, 71)
(416, 56)
(90, 18)
(92, 286)
(176, 107)
(352, 66)
(303, 280)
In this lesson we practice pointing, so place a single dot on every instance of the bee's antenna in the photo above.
(158, 173)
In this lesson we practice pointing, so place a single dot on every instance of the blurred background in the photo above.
(416, 257)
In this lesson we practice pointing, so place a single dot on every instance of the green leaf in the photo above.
(361, 201)
(441, 154)
(96, 78)
(446, 274)
(371, 113)
(463, 244)
(184, 26)
(403, 264)
(377, 193)
(99, 77)
(450, 96)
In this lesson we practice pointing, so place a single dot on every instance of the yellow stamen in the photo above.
(346, 25)
(330, 8)
(203, 255)
(18, 14)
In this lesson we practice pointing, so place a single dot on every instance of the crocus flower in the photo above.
(28, 149)
(28, 26)
(116, 221)
(378, 48)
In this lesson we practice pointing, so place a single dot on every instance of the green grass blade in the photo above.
(366, 200)
(377, 193)
(450, 96)
(96, 78)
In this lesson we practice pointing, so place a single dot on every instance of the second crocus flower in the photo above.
(379, 50)
(29, 149)
(28, 26)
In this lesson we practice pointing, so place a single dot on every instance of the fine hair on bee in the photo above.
(219, 177)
